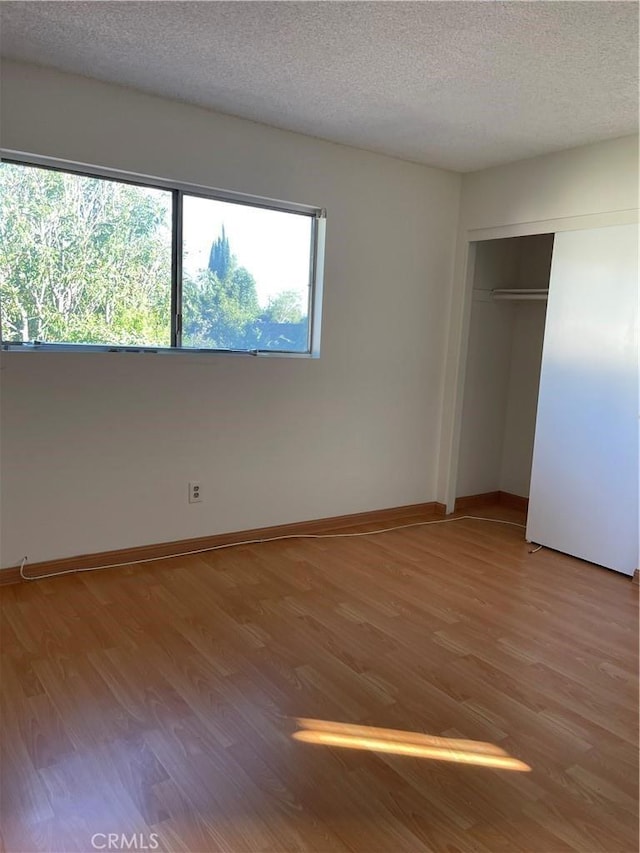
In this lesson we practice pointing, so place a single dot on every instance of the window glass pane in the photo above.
(246, 277)
(83, 260)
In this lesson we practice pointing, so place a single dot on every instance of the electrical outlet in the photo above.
(195, 492)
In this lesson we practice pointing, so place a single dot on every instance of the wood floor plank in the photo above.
(162, 700)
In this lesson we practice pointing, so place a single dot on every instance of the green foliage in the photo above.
(82, 260)
(221, 309)
(220, 256)
(284, 308)
(220, 313)
(85, 260)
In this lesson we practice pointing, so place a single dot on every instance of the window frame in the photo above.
(180, 189)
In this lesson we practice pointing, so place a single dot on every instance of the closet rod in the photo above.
(520, 294)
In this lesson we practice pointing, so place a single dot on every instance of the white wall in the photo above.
(487, 371)
(503, 368)
(534, 269)
(522, 398)
(485, 398)
(576, 182)
(97, 449)
(577, 188)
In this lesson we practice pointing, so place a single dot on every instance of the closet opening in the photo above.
(502, 377)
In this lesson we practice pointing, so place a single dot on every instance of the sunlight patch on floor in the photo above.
(414, 744)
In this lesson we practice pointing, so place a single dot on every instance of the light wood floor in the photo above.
(161, 699)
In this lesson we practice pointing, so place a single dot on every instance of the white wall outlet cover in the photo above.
(195, 492)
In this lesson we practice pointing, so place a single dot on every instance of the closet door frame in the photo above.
(451, 427)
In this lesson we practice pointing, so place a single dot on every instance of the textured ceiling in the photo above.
(462, 85)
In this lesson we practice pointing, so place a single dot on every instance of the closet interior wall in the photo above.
(503, 367)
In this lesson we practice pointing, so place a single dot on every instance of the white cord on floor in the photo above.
(260, 542)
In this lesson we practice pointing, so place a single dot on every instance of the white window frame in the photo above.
(179, 190)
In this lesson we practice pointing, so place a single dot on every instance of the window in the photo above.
(258, 303)
(102, 261)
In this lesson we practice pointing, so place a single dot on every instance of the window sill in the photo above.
(101, 348)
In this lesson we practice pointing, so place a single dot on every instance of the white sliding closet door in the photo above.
(584, 482)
